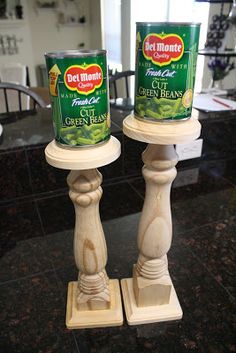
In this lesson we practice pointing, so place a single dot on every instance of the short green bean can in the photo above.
(78, 87)
(166, 56)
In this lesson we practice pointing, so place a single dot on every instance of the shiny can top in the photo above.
(187, 24)
(83, 53)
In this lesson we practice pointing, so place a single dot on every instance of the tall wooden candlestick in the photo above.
(150, 295)
(93, 300)
(92, 290)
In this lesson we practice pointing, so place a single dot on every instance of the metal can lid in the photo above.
(82, 53)
(187, 24)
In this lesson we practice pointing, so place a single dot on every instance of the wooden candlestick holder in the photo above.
(150, 295)
(93, 300)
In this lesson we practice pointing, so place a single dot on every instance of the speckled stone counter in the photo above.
(37, 240)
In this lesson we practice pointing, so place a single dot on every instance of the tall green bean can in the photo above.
(79, 96)
(166, 56)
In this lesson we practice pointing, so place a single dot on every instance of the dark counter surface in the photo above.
(37, 220)
(29, 129)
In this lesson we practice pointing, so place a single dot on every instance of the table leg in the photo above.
(150, 296)
(93, 300)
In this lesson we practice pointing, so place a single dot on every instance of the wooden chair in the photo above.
(15, 97)
(13, 72)
(116, 87)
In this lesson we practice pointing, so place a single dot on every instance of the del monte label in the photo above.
(83, 78)
(163, 49)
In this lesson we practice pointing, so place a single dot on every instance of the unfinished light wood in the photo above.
(161, 133)
(148, 314)
(89, 243)
(93, 300)
(150, 296)
(77, 319)
(84, 157)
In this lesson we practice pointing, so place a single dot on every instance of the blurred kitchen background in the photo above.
(29, 28)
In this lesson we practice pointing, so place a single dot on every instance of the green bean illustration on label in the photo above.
(79, 97)
(166, 56)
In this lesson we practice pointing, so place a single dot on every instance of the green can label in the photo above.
(166, 56)
(79, 96)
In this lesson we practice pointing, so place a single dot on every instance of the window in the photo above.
(111, 18)
(120, 40)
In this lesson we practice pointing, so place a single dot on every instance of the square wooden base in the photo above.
(144, 315)
(77, 319)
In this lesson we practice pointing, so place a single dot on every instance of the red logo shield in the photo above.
(83, 79)
(163, 49)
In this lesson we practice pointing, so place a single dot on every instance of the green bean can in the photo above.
(166, 56)
(79, 96)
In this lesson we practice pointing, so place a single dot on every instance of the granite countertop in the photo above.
(35, 128)
(36, 244)
(30, 129)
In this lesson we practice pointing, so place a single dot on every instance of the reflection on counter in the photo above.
(37, 242)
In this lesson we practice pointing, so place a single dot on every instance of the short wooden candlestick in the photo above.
(93, 300)
(150, 295)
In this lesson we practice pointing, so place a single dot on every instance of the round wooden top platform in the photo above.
(162, 133)
(84, 157)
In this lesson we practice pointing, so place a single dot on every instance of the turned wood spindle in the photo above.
(152, 285)
(149, 296)
(93, 300)
(89, 244)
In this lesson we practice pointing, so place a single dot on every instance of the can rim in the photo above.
(80, 53)
(170, 120)
(169, 23)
